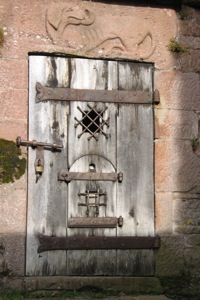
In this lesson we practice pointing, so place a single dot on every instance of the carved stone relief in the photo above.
(81, 28)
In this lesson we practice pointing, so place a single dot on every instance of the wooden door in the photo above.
(91, 212)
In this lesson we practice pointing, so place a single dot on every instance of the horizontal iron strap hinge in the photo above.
(67, 94)
(48, 243)
(68, 176)
(94, 222)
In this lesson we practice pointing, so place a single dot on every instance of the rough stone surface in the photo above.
(128, 284)
(186, 214)
(170, 257)
(176, 166)
(13, 104)
(189, 22)
(10, 129)
(191, 61)
(138, 297)
(12, 224)
(14, 74)
(11, 284)
(178, 90)
(163, 211)
(176, 124)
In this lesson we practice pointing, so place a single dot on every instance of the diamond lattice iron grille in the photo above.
(92, 122)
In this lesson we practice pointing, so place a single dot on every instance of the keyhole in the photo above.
(92, 168)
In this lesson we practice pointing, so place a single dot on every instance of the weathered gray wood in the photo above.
(135, 262)
(96, 263)
(47, 197)
(92, 74)
(128, 148)
(135, 160)
(75, 210)
(135, 77)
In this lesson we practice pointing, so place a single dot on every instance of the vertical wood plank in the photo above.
(47, 197)
(92, 74)
(135, 160)
(135, 76)
(91, 262)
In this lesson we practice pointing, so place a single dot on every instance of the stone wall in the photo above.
(133, 33)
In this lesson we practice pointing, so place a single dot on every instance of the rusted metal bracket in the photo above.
(67, 94)
(39, 162)
(99, 126)
(93, 222)
(40, 146)
(156, 97)
(94, 195)
(94, 176)
(48, 243)
(35, 144)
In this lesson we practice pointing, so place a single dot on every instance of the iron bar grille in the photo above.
(92, 122)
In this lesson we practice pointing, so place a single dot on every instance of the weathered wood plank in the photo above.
(47, 197)
(75, 188)
(135, 77)
(135, 160)
(96, 262)
(95, 77)
(135, 262)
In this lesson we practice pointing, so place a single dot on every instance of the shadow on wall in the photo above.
(178, 176)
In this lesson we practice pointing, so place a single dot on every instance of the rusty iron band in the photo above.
(90, 222)
(48, 243)
(68, 176)
(67, 94)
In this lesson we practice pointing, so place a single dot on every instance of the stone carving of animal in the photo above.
(79, 26)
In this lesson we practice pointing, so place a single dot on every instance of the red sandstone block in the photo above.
(13, 74)
(191, 61)
(11, 128)
(178, 124)
(13, 209)
(13, 104)
(178, 90)
(163, 212)
(176, 166)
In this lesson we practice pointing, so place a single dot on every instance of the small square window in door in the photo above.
(92, 122)
(92, 200)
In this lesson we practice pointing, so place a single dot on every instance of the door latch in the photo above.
(40, 146)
